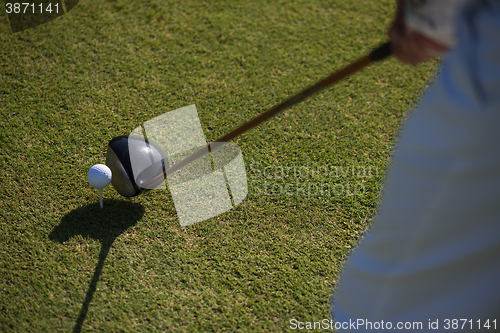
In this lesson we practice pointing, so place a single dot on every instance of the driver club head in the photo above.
(124, 150)
(120, 152)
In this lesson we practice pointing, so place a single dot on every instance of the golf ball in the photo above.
(99, 176)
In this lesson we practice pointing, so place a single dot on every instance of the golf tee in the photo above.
(100, 197)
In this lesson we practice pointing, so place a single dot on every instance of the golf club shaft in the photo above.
(377, 54)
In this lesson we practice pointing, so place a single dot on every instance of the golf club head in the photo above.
(121, 150)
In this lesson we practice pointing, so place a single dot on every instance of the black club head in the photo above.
(126, 154)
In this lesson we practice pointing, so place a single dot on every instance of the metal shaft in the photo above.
(377, 54)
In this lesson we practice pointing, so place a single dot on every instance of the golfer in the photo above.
(431, 261)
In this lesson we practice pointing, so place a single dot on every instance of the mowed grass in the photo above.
(315, 172)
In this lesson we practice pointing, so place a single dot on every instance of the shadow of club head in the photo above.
(104, 225)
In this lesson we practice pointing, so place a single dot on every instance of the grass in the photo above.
(69, 86)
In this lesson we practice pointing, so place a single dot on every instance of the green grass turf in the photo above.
(68, 87)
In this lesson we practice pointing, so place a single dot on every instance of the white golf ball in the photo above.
(99, 176)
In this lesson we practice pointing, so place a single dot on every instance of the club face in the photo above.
(118, 159)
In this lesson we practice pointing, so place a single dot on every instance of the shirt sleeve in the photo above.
(433, 251)
(436, 19)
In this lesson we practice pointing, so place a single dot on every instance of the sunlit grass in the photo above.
(68, 87)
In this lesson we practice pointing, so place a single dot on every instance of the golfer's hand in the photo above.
(409, 45)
